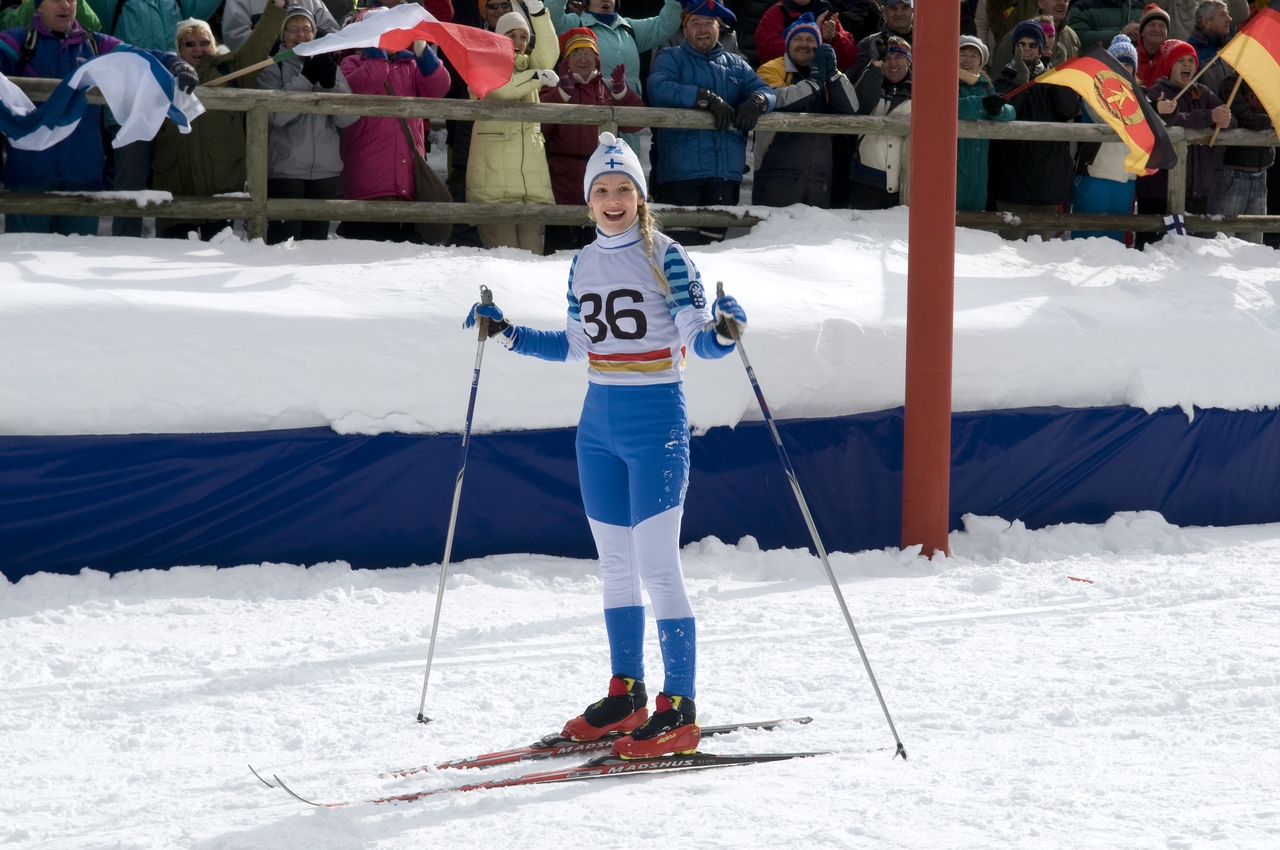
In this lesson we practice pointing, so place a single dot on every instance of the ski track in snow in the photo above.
(1139, 711)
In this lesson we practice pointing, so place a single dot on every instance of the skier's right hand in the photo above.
(497, 324)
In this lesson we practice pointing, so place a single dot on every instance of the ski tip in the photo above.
(260, 779)
(293, 795)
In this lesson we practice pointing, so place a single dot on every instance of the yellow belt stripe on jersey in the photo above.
(631, 366)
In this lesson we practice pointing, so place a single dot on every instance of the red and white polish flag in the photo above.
(484, 59)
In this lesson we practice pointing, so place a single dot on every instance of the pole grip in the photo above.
(486, 298)
(728, 320)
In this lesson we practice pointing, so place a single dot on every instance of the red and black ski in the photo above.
(602, 767)
(557, 745)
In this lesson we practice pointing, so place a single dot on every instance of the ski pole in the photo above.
(808, 518)
(486, 297)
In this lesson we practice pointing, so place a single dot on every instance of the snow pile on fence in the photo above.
(121, 336)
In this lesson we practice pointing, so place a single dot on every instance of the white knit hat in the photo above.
(614, 156)
(193, 24)
(975, 42)
(511, 21)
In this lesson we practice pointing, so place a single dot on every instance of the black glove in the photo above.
(184, 76)
(750, 111)
(879, 47)
(321, 68)
(715, 104)
(994, 104)
(824, 63)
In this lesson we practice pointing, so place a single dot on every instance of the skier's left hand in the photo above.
(728, 309)
(497, 324)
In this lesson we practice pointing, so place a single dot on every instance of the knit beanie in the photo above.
(1171, 51)
(1029, 29)
(511, 21)
(978, 44)
(299, 12)
(1124, 51)
(1152, 12)
(577, 37)
(613, 156)
(193, 25)
(804, 23)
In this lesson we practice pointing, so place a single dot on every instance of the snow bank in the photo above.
(103, 335)
(984, 542)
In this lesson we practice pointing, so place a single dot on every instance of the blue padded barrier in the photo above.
(138, 501)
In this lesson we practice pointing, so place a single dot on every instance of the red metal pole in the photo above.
(926, 451)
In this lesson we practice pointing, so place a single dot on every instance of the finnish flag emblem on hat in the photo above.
(614, 156)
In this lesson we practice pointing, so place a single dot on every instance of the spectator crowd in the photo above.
(734, 59)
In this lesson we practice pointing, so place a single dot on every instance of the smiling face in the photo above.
(193, 45)
(702, 32)
(970, 59)
(297, 30)
(896, 67)
(1030, 49)
(1184, 68)
(1154, 35)
(495, 9)
(614, 202)
(58, 15)
(519, 40)
(801, 48)
(582, 62)
(1056, 9)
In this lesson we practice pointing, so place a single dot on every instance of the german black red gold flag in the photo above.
(1106, 86)
(1255, 53)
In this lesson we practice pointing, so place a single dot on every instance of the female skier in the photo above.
(636, 305)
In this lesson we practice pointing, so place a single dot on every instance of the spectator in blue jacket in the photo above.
(699, 167)
(76, 163)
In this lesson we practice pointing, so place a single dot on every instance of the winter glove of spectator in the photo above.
(547, 78)
(879, 47)
(715, 104)
(533, 6)
(750, 111)
(322, 69)
(184, 76)
(1024, 73)
(725, 310)
(618, 80)
(428, 62)
(824, 64)
(374, 53)
(568, 83)
(497, 324)
(994, 104)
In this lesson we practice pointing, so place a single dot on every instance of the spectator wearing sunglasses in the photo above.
(210, 160)
(240, 16)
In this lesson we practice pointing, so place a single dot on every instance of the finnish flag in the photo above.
(137, 87)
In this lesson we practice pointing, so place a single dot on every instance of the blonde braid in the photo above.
(649, 223)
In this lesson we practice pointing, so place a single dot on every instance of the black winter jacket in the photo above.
(1037, 173)
(749, 13)
(1252, 115)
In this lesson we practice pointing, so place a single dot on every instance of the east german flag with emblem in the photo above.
(1255, 53)
(1106, 86)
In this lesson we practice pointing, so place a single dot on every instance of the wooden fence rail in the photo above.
(258, 208)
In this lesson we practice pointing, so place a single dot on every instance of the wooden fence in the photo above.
(257, 208)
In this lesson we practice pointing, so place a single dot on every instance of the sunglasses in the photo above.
(197, 44)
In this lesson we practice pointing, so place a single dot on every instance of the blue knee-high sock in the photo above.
(679, 641)
(625, 626)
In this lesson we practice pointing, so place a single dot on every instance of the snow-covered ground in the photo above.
(1141, 710)
(101, 335)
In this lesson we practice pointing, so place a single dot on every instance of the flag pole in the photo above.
(1206, 66)
(1216, 130)
(256, 66)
